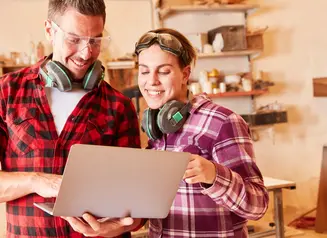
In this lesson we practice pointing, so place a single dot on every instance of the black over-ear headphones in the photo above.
(170, 118)
(57, 75)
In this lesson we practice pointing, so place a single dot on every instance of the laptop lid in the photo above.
(116, 181)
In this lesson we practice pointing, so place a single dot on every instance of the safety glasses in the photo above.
(78, 43)
(167, 42)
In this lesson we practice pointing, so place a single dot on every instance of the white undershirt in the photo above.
(62, 104)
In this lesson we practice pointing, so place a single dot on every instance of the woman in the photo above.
(222, 186)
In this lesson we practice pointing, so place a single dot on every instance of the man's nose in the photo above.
(86, 52)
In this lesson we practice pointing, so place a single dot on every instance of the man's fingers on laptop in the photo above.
(77, 224)
(96, 223)
(81, 220)
(104, 219)
(92, 221)
(80, 226)
(108, 228)
(126, 221)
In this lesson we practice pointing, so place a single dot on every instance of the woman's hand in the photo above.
(200, 170)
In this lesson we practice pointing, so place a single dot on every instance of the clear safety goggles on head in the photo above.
(78, 43)
(167, 42)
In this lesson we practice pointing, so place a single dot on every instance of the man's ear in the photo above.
(48, 31)
(186, 74)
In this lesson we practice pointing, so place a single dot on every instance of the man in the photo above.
(48, 107)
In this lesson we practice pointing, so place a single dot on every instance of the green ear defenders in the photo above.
(169, 119)
(57, 75)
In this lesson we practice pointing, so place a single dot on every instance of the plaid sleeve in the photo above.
(239, 184)
(3, 127)
(128, 131)
(3, 141)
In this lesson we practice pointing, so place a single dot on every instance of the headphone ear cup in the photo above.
(59, 76)
(93, 76)
(149, 124)
(170, 118)
(46, 77)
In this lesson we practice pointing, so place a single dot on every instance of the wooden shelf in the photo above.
(195, 8)
(6, 68)
(9, 66)
(229, 54)
(130, 64)
(238, 94)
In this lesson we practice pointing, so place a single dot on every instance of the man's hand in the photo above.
(92, 227)
(200, 170)
(46, 185)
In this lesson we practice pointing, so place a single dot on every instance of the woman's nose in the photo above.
(154, 80)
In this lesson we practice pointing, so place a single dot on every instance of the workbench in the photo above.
(276, 186)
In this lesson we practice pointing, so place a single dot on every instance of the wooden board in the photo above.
(321, 217)
(238, 94)
(273, 183)
(320, 87)
(229, 53)
(194, 8)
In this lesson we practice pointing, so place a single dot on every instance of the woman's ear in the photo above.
(186, 74)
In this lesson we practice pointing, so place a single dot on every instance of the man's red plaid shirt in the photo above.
(29, 141)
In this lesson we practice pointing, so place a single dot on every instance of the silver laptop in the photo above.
(117, 182)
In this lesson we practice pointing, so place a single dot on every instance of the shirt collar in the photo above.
(198, 101)
(34, 70)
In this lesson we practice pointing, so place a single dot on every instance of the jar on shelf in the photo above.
(213, 77)
(203, 79)
(195, 88)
